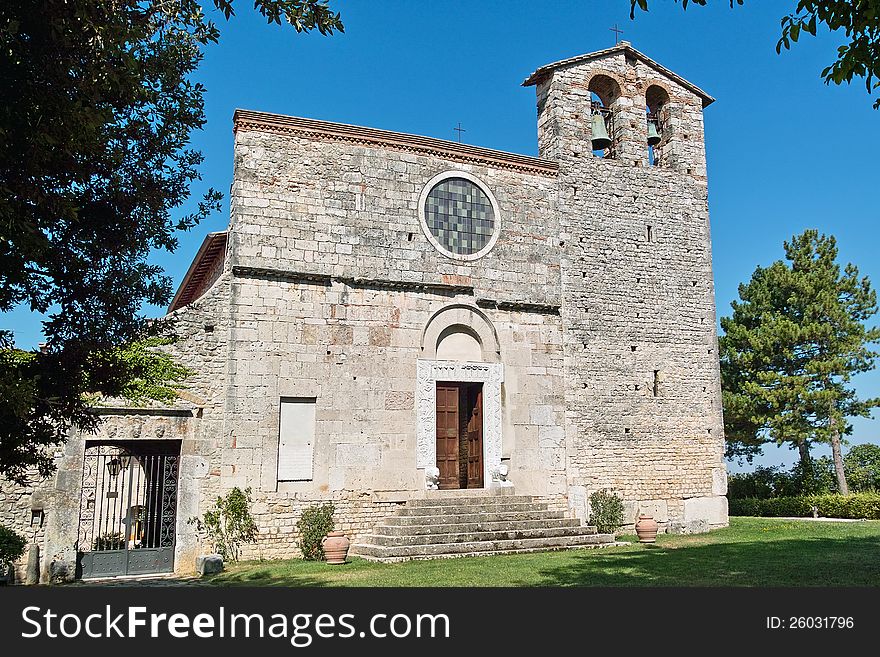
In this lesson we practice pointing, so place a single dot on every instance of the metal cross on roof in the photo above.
(459, 129)
(617, 32)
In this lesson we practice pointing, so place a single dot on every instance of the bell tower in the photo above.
(643, 387)
(619, 105)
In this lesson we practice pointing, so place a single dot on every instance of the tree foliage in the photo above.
(859, 20)
(12, 546)
(97, 113)
(40, 395)
(862, 464)
(796, 338)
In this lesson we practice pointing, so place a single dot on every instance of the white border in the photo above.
(428, 373)
(423, 197)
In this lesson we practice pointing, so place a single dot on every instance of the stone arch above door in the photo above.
(467, 319)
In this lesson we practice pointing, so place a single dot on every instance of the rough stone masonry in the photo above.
(365, 274)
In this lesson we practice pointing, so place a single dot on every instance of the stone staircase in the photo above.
(467, 523)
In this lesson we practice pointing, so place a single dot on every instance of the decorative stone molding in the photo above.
(428, 373)
(461, 314)
(450, 150)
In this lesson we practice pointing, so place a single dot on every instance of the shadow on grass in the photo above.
(782, 562)
(266, 577)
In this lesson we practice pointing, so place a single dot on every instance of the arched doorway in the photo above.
(459, 398)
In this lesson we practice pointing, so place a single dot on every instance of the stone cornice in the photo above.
(449, 150)
(352, 281)
(290, 276)
(521, 306)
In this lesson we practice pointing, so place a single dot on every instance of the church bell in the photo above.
(653, 133)
(601, 141)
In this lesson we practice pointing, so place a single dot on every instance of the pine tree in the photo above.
(797, 336)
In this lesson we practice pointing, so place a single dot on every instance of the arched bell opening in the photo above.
(656, 110)
(604, 94)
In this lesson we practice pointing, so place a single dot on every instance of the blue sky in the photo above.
(785, 151)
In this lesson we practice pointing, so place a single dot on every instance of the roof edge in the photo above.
(190, 277)
(313, 128)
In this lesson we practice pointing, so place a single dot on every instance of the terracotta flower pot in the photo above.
(336, 546)
(646, 528)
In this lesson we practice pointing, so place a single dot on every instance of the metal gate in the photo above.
(128, 511)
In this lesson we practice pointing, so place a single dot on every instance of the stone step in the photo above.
(458, 508)
(477, 548)
(463, 527)
(551, 533)
(464, 518)
(468, 500)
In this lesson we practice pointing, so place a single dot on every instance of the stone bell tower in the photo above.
(630, 87)
(643, 393)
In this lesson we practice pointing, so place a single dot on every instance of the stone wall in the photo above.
(321, 206)
(334, 285)
(354, 349)
(15, 514)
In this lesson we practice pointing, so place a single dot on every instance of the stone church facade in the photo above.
(389, 314)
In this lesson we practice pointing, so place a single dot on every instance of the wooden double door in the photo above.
(460, 435)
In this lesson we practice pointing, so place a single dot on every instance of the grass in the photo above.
(751, 552)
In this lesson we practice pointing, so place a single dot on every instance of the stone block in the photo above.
(32, 574)
(719, 481)
(399, 401)
(541, 415)
(380, 336)
(711, 509)
(577, 501)
(551, 436)
(349, 455)
(209, 564)
(687, 527)
(656, 508)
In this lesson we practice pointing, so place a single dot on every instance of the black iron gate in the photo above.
(129, 508)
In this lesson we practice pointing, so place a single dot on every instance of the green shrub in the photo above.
(229, 524)
(314, 524)
(763, 483)
(766, 482)
(857, 505)
(606, 511)
(12, 545)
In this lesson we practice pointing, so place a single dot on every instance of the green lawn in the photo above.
(751, 552)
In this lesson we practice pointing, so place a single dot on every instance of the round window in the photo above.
(460, 217)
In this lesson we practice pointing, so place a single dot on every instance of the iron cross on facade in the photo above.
(459, 130)
(617, 32)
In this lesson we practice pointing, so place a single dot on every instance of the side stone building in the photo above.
(389, 314)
